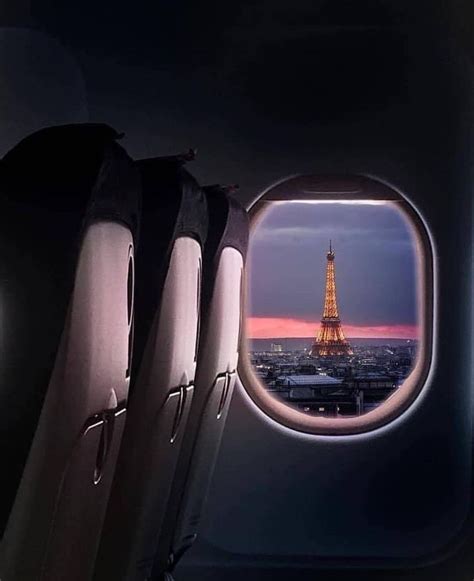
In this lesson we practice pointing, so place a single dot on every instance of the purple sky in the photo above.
(375, 263)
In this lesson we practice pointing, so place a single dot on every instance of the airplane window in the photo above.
(336, 325)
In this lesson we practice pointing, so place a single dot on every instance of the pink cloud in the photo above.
(280, 327)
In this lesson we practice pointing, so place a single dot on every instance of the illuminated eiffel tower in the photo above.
(331, 339)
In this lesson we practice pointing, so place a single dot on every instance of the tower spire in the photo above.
(331, 339)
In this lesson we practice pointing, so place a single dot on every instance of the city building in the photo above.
(332, 377)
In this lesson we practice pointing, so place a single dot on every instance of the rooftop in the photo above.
(291, 380)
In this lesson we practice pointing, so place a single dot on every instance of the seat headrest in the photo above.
(73, 168)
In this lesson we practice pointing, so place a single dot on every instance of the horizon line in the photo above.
(287, 327)
(365, 338)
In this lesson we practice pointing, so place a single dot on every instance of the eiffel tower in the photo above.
(330, 339)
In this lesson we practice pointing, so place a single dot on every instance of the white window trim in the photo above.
(352, 187)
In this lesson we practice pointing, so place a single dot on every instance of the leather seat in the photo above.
(69, 212)
(169, 267)
(223, 277)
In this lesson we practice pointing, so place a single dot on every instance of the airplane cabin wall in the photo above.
(399, 496)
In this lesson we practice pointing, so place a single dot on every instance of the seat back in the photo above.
(168, 290)
(69, 208)
(224, 261)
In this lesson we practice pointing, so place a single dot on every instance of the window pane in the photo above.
(332, 327)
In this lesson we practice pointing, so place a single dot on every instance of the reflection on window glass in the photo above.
(332, 322)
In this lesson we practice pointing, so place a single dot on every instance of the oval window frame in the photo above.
(351, 188)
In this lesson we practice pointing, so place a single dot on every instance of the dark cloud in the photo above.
(375, 263)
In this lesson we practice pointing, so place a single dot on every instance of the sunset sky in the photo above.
(375, 270)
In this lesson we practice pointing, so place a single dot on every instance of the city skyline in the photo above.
(376, 270)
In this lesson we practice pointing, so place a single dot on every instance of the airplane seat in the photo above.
(69, 214)
(223, 279)
(168, 289)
